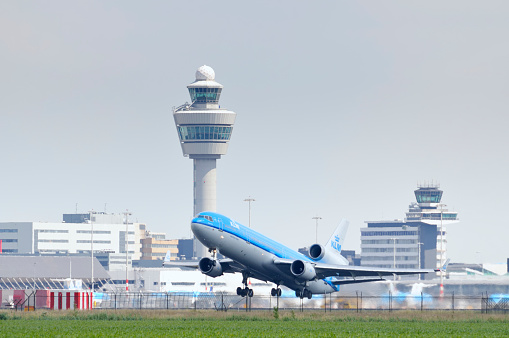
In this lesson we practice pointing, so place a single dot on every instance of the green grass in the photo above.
(254, 324)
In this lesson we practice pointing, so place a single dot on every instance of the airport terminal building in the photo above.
(73, 235)
(418, 241)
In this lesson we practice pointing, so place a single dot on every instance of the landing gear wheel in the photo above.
(275, 292)
(250, 292)
(239, 291)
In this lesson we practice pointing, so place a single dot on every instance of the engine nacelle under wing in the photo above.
(303, 270)
(210, 267)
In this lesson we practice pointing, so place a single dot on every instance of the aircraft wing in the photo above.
(228, 265)
(331, 270)
(328, 270)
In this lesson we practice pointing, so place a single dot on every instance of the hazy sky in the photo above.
(342, 108)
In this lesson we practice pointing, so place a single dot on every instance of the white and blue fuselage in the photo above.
(256, 253)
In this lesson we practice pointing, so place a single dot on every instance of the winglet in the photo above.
(444, 267)
(167, 258)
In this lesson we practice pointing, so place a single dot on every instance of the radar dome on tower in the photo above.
(205, 73)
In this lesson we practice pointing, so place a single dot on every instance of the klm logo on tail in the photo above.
(336, 240)
(335, 244)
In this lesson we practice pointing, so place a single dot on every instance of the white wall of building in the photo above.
(37, 237)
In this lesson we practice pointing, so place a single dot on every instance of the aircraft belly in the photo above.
(258, 262)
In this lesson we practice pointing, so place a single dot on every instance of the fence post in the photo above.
(361, 301)
(453, 301)
(421, 301)
(357, 297)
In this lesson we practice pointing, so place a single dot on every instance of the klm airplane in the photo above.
(256, 256)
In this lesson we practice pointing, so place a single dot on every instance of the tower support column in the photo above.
(205, 180)
(204, 185)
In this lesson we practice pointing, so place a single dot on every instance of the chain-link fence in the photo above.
(331, 302)
(31, 300)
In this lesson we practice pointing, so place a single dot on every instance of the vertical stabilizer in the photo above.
(335, 242)
(168, 256)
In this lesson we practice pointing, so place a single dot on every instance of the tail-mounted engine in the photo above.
(316, 252)
(332, 256)
(210, 267)
(303, 270)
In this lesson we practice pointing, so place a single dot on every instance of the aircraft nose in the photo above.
(197, 229)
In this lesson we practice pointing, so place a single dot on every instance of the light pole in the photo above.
(126, 214)
(316, 218)
(92, 248)
(394, 254)
(34, 276)
(249, 200)
(441, 250)
(419, 259)
(481, 267)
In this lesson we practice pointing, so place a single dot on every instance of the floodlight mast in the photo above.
(204, 131)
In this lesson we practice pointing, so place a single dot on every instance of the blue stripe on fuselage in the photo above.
(249, 235)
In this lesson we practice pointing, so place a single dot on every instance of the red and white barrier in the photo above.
(66, 300)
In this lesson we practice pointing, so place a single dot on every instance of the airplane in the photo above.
(257, 256)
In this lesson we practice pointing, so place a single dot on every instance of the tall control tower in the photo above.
(204, 131)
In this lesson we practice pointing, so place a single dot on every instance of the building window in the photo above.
(95, 242)
(388, 241)
(9, 240)
(54, 231)
(8, 230)
(222, 133)
(205, 95)
(389, 233)
(96, 232)
(53, 241)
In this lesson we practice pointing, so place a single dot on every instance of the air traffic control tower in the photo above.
(204, 130)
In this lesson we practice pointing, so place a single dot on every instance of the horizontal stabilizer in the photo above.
(355, 281)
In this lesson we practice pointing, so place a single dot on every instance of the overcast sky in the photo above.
(342, 108)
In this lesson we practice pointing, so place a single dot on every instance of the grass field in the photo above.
(257, 324)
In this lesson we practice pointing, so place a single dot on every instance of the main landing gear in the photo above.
(275, 292)
(304, 294)
(245, 291)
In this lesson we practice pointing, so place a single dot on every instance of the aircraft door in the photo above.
(220, 224)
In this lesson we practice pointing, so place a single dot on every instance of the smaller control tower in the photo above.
(204, 130)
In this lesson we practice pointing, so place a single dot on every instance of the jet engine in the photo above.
(210, 267)
(316, 252)
(303, 270)
(332, 256)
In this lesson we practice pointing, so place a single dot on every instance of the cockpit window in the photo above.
(208, 218)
